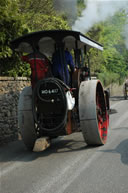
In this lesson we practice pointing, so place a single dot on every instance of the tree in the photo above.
(11, 26)
(115, 56)
(40, 15)
(80, 7)
(18, 17)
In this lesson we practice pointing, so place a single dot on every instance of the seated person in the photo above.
(59, 69)
(126, 84)
(40, 66)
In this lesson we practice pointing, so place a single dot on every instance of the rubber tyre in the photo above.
(25, 118)
(94, 131)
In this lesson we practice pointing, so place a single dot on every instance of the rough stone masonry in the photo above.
(9, 94)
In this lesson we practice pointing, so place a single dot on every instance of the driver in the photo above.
(59, 69)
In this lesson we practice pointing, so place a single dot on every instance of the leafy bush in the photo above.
(18, 17)
(110, 77)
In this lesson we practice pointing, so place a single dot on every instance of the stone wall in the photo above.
(115, 90)
(9, 93)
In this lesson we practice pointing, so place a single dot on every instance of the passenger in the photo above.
(125, 88)
(40, 66)
(126, 83)
(59, 69)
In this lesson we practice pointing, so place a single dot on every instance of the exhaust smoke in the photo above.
(67, 6)
(97, 11)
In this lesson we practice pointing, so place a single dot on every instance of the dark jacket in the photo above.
(59, 69)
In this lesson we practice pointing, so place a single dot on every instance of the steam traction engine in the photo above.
(53, 108)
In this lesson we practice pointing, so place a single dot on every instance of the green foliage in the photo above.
(108, 77)
(12, 66)
(18, 17)
(11, 26)
(46, 22)
(113, 61)
(80, 7)
(44, 7)
(40, 15)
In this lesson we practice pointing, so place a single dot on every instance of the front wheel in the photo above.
(94, 118)
(25, 118)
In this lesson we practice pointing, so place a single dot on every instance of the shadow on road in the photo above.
(121, 149)
(16, 151)
(112, 111)
(116, 98)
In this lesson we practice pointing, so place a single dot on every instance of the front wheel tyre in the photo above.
(94, 118)
(25, 118)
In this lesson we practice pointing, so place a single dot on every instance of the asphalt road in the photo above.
(69, 165)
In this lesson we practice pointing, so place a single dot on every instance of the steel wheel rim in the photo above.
(102, 120)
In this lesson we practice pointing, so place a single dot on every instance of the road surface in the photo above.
(69, 165)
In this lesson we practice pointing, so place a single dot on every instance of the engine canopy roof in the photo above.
(46, 41)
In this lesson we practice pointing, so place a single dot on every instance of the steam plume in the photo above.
(96, 11)
(67, 6)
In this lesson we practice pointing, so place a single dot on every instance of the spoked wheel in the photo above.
(94, 119)
(107, 101)
(25, 118)
(102, 119)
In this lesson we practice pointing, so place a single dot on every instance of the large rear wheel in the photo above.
(94, 119)
(25, 118)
